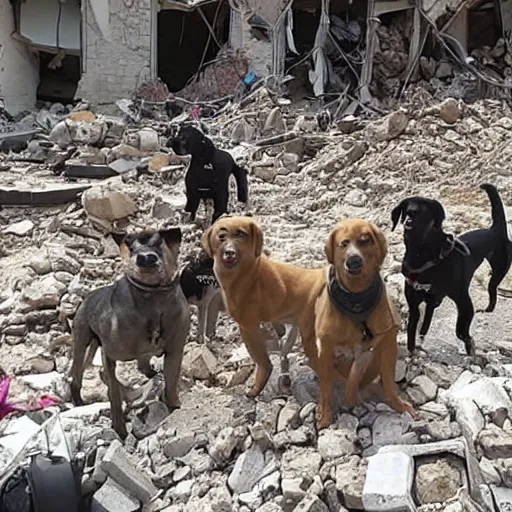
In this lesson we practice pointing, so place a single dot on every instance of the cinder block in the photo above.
(118, 465)
(388, 482)
(112, 498)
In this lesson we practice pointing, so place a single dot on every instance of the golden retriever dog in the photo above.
(356, 324)
(257, 289)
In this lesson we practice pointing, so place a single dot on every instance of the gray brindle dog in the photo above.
(143, 314)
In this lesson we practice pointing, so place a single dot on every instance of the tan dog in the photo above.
(355, 320)
(256, 289)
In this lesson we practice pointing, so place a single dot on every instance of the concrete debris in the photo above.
(221, 451)
(118, 465)
(106, 202)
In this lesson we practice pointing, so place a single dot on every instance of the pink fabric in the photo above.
(34, 404)
(195, 113)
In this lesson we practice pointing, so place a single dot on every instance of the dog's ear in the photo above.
(398, 213)
(257, 239)
(438, 213)
(381, 242)
(118, 237)
(206, 241)
(171, 236)
(329, 246)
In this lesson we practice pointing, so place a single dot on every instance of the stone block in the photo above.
(118, 465)
(388, 482)
(113, 498)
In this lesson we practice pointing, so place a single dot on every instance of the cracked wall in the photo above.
(116, 49)
(19, 67)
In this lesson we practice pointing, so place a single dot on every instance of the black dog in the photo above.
(436, 264)
(209, 171)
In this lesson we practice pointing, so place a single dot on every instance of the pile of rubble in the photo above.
(222, 451)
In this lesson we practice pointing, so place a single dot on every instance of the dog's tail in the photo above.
(241, 183)
(499, 221)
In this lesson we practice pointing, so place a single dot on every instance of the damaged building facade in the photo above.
(103, 50)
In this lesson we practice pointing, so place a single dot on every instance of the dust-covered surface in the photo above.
(221, 450)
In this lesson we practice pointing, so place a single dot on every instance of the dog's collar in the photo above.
(356, 305)
(454, 244)
(152, 289)
(208, 280)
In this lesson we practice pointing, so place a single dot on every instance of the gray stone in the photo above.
(449, 111)
(200, 363)
(356, 197)
(293, 489)
(311, 503)
(106, 202)
(179, 446)
(44, 293)
(120, 466)
(300, 462)
(388, 482)
(488, 393)
(22, 228)
(496, 443)
(422, 390)
(489, 472)
(333, 444)
(224, 445)
(301, 436)
(288, 417)
(247, 471)
(390, 428)
(350, 479)
(199, 461)
(365, 437)
(470, 418)
(503, 498)
(111, 497)
(147, 422)
(331, 497)
(400, 370)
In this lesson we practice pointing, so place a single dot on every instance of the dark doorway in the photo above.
(59, 77)
(183, 38)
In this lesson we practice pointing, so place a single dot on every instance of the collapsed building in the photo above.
(103, 50)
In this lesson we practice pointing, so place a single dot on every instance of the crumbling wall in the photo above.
(259, 53)
(117, 48)
(19, 68)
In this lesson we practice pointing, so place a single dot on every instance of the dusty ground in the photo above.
(297, 205)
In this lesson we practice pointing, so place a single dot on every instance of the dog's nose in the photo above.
(354, 263)
(147, 260)
(229, 254)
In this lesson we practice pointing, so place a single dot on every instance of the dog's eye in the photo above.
(344, 244)
(241, 235)
(364, 241)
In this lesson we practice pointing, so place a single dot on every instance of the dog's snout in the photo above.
(354, 261)
(229, 253)
(147, 260)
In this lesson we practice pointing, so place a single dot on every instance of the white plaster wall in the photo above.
(19, 68)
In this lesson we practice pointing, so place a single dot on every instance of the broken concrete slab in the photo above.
(119, 465)
(74, 170)
(388, 482)
(106, 202)
(52, 195)
(111, 497)
(503, 498)
(22, 228)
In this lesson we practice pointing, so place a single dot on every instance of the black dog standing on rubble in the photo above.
(143, 314)
(436, 264)
(209, 171)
